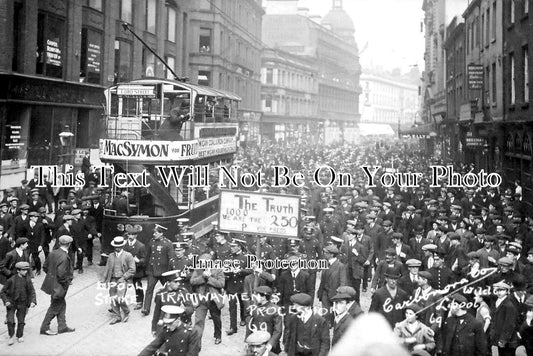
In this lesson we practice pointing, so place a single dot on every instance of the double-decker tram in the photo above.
(165, 141)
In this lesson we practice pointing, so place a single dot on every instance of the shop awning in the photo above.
(375, 130)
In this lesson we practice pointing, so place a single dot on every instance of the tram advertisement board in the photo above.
(259, 213)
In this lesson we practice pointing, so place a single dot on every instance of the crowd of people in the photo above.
(450, 269)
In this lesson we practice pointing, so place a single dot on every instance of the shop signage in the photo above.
(93, 57)
(53, 53)
(136, 90)
(472, 141)
(143, 150)
(13, 136)
(475, 76)
(254, 213)
(214, 146)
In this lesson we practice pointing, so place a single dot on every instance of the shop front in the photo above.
(34, 112)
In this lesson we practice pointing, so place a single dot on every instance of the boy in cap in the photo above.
(18, 254)
(414, 333)
(503, 325)
(306, 333)
(18, 295)
(257, 344)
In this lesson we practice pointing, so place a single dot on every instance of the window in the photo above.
(50, 45)
(513, 81)
(91, 56)
(126, 10)
(171, 61)
(494, 96)
(478, 31)
(17, 36)
(151, 15)
(486, 85)
(269, 75)
(526, 75)
(123, 69)
(268, 103)
(493, 32)
(205, 40)
(482, 31)
(204, 77)
(512, 11)
(487, 37)
(95, 4)
(148, 63)
(171, 24)
(526, 7)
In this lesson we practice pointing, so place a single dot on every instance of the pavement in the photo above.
(87, 312)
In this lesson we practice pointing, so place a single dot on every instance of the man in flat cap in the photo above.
(389, 262)
(306, 333)
(18, 254)
(258, 344)
(409, 281)
(20, 222)
(159, 253)
(23, 192)
(360, 254)
(263, 315)
(59, 274)
(342, 302)
(416, 243)
(293, 281)
(332, 278)
(503, 329)
(119, 270)
(176, 338)
(18, 295)
(138, 251)
(462, 333)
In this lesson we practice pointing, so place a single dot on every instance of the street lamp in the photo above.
(65, 138)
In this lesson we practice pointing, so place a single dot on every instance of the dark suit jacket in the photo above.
(7, 265)
(406, 284)
(332, 278)
(365, 252)
(19, 227)
(503, 325)
(35, 236)
(288, 286)
(383, 296)
(319, 335)
(9, 292)
(58, 268)
(339, 328)
(138, 250)
(471, 338)
(416, 248)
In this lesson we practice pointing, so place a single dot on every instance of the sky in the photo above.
(390, 27)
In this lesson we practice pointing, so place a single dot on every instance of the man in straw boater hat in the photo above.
(177, 337)
(119, 270)
(18, 295)
(159, 252)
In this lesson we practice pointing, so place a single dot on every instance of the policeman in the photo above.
(173, 293)
(181, 263)
(235, 284)
(159, 253)
(176, 338)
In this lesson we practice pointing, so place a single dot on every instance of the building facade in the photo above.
(387, 100)
(59, 56)
(225, 53)
(330, 45)
(289, 97)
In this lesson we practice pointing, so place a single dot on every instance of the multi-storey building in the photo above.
(225, 53)
(59, 55)
(388, 100)
(454, 47)
(330, 45)
(437, 15)
(289, 97)
(514, 150)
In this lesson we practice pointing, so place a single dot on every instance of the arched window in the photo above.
(509, 144)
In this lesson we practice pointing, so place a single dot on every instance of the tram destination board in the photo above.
(259, 213)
